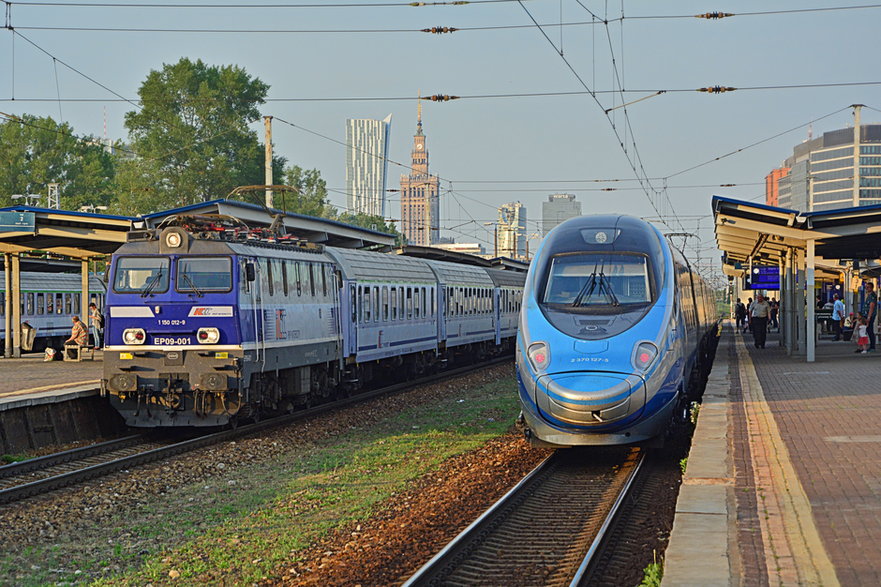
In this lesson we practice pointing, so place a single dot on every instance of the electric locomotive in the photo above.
(615, 333)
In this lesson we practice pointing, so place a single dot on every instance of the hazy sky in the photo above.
(488, 150)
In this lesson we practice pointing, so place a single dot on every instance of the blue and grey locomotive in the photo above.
(615, 332)
(206, 323)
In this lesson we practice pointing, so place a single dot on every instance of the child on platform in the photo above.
(862, 330)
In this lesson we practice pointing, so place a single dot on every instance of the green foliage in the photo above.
(311, 197)
(653, 574)
(683, 464)
(7, 459)
(38, 151)
(192, 136)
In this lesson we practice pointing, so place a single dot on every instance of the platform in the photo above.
(30, 379)
(783, 482)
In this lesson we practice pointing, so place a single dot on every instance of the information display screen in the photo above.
(764, 277)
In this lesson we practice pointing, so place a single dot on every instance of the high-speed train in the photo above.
(616, 333)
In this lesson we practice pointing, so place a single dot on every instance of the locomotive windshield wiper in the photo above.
(151, 284)
(607, 287)
(189, 281)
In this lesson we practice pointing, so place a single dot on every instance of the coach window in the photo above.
(375, 303)
(299, 271)
(409, 303)
(29, 304)
(284, 277)
(76, 304)
(385, 303)
(59, 303)
(40, 303)
(368, 310)
(433, 305)
(68, 304)
(353, 300)
(312, 278)
(394, 303)
(324, 279)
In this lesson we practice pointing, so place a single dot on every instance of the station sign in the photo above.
(17, 222)
(763, 277)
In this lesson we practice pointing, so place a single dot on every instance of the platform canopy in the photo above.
(80, 235)
(315, 230)
(750, 232)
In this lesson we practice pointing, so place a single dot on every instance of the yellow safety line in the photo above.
(49, 388)
(794, 552)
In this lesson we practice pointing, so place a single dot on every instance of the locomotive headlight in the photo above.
(134, 336)
(173, 239)
(539, 356)
(643, 355)
(208, 335)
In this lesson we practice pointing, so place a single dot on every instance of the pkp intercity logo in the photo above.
(210, 311)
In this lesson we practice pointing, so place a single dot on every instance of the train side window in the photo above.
(409, 303)
(324, 269)
(269, 275)
(68, 304)
(394, 303)
(376, 303)
(312, 278)
(29, 304)
(40, 303)
(368, 310)
(299, 272)
(284, 277)
(353, 300)
(385, 303)
(433, 304)
(3, 302)
(59, 303)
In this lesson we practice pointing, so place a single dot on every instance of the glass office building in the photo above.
(367, 143)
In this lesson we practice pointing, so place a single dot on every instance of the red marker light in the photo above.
(540, 358)
(644, 358)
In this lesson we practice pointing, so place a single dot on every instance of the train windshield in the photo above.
(201, 274)
(141, 275)
(610, 282)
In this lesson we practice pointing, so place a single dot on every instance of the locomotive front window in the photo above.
(580, 281)
(201, 274)
(141, 275)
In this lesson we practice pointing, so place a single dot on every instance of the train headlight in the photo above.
(208, 335)
(134, 336)
(539, 356)
(644, 355)
(173, 239)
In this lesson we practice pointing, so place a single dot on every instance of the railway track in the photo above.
(546, 530)
(43, 474)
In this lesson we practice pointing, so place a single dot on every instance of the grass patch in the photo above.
(652, 574)
(239, 528)
(8, 459)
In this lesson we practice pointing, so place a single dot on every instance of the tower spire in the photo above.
(419, 113)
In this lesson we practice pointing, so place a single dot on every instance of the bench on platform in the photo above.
(77, 353)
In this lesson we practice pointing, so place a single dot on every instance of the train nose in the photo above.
(590, 399)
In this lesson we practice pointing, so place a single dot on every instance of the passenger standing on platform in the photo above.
(739, 315)
(862, 331)
(749, 314)
(775, 308)
(97, 325)
(837, 316)
(870, 311)
(759, 320)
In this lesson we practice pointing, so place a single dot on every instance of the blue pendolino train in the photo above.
(206, 325)
(617, 334)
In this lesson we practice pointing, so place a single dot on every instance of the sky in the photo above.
(495, 144)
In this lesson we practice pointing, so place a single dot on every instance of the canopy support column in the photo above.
(84, 300)
(7, 305)
(16, 306)
(811, 318)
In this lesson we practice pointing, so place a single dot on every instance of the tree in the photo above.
(311, 197)
(38, 151)
(192, 134)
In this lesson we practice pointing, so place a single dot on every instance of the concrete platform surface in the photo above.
(30, 374)
(793, 494)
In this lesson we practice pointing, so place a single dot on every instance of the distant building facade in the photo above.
(420, 195)
(840, 169)
(558, 208)
(468, 248)
(511, 231)
(772, 185)
(367, 143)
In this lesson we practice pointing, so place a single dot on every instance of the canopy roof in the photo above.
(62, 232)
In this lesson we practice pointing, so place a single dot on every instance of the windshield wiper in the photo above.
(151, 284)
(189, 281)
(587, 289)
(607, 287)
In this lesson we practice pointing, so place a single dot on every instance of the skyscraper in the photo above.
(558, 208)
(511, 231)
(367, 164)
(420, 201)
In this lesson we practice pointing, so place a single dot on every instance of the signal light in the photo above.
(539, 356)
(643, 355)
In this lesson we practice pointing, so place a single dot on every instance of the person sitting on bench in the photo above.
(79, 337)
